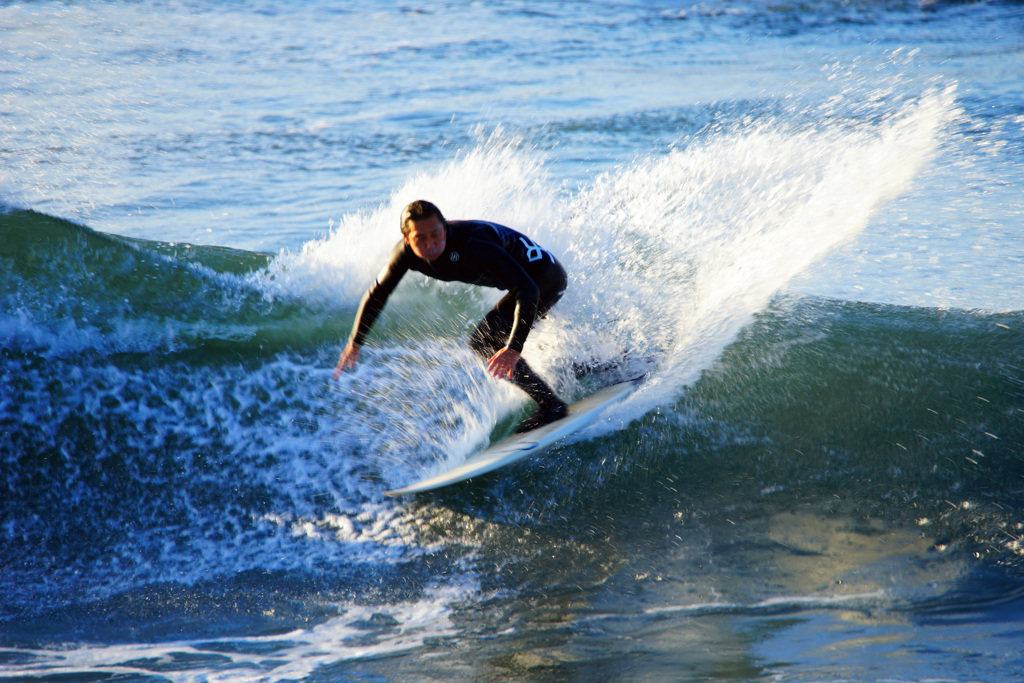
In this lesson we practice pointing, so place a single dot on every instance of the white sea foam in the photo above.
(498, 180)
(358, 632)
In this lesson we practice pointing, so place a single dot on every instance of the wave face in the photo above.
(186, 449)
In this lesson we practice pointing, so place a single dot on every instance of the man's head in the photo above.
(424, 229)
(419, 210)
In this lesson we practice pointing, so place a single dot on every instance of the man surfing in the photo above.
(478, 253)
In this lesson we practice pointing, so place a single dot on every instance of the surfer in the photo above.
(478, 253)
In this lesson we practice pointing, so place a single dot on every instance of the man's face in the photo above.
(427, 238)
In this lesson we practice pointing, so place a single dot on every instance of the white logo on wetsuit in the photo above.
(453, 257)
(534, 252)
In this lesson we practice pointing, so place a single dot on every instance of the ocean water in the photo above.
(806, 218)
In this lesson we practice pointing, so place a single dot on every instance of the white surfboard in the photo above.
(518, 446)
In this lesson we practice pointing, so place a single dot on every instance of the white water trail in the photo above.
(688, 246)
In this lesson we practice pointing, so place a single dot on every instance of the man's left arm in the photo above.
(511, 276)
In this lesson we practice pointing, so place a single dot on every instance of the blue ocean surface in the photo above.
(806, 220)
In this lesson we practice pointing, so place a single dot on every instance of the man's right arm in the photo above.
(348, 359)
(370, 308)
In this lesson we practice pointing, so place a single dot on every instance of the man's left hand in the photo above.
(503, 363)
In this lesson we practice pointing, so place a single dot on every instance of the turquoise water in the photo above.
(808, 216)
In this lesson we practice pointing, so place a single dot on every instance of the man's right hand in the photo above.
(348, 359)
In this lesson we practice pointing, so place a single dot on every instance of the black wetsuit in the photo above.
(490, 255)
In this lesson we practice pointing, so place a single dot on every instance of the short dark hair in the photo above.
(419, 210)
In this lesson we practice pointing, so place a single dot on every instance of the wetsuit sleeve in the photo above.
(505, 270)
(377, 295)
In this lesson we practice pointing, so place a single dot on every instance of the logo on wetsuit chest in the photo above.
(454, 257)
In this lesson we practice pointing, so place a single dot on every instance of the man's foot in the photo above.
(544, 415)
